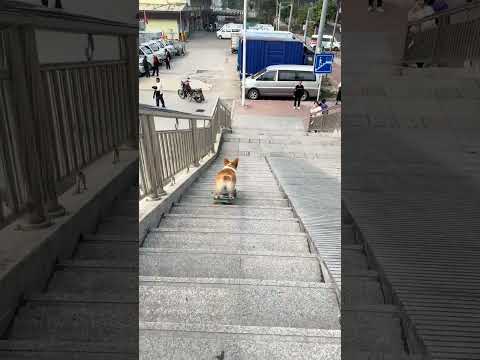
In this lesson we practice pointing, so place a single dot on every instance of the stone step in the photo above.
(379, 355)
(224, 223)
(348, 236)
(247, 194)
(204, 200)
(372, 328)
(202, 264)
(76, 321)
(271, 189)
(308, 307)
(361, 289)
(125, 207)
(236, 342)
(234, 210)
(106, 284)
(100, 265)
(109, 238)
(118, 227)
(91, 250)
(227, 241)
(68, 350)
(353, 259)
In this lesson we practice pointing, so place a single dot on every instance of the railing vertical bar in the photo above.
(115, 97)
(61, 126)
(164, 157)
(80, 116)
(47, 84)
(106, 88)
(97, 128)
(70, 118)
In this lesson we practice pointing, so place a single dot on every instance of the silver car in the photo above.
(280, 81)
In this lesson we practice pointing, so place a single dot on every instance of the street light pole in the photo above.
(290, 18)
(306, 26)
(244, 50)
(334, 28)
(318, 49)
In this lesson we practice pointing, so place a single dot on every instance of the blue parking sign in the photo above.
(323, 63)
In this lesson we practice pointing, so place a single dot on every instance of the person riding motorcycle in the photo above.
(186, 87)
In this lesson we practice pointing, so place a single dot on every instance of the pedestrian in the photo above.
(379, 5)
(167, 59)
(146, 66)
(297, 94)
(156, 65)
(339, 94)
(158, 93)
(324, 106)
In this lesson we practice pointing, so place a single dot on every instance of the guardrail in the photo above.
(448, 38)
(329, 121)
(55, 119)
(164, 153)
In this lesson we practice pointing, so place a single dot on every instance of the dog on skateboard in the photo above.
(225, 182)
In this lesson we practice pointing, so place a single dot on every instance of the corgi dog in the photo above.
(226, 180)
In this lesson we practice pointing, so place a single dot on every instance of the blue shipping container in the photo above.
(268, 49)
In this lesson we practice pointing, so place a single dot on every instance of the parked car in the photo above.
(156, 49)
(280, 81)
(179, 47)
(165, 45)
(142, 52)
(226, 31)
(326, 43)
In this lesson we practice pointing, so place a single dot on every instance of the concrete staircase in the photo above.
(371, 325)
(89, 309)
(234, 282)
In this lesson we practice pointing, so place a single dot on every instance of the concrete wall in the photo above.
(167, 26)
(66, 47)
(124, 11)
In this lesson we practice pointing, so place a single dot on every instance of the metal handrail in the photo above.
(446, 44)
(21, 14)
(65, 115)
(448, 12)
(165, 153)
(325, 122)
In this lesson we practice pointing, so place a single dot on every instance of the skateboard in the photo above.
(225, 198)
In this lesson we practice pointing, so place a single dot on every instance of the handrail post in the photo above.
(22, 52)
(132, 81)
(154, 172)
(193, 127)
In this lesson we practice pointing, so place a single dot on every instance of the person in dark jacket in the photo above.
(339, 94)
(297, 94)
(156, 65)
(146, 66)
(167, 59)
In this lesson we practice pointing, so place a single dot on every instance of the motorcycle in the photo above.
(185, 92)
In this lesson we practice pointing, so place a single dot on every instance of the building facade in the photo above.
(172, 17)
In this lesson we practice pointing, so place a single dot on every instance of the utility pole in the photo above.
(318, 49)
(334, 27)
(279, 12)
(290, 18)
(306, 26)
(244, 50)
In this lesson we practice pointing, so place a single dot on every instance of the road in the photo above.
(209, 64)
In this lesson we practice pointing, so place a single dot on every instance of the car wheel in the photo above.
(253, 94)
(220, 37)
(336, 49)
(305, 96)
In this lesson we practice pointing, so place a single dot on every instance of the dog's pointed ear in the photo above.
(226, 162)
(235, 163)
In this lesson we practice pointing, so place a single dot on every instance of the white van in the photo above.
(226, 31)
(280, 81)
(326, 43)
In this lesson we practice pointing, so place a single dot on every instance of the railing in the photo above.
(448, 38)
(325, 122)
(55, 119)
(164, 153)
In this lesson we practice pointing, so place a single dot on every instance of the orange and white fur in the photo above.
(226, 179)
